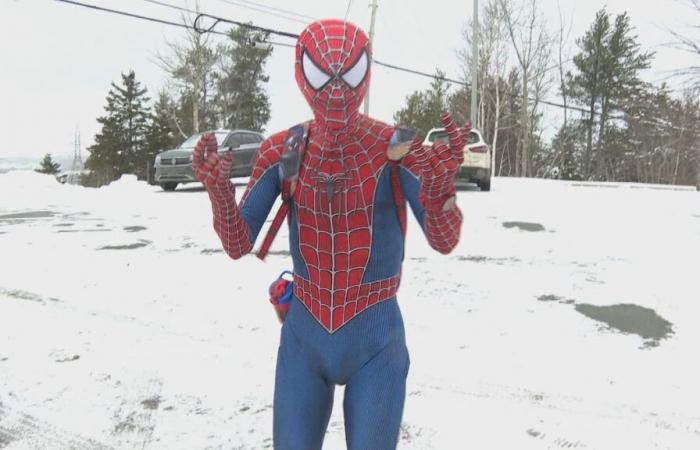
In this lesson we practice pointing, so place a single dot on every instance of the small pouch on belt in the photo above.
(281, 291)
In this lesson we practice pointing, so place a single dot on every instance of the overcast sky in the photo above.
(57, 60)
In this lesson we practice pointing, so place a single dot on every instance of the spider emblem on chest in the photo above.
(330, 184)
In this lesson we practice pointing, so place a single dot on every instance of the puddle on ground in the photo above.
(125, 246)
(135, 228)
(555, 298)
(21, 295)
(629, 318)
(151, 403)
(28, 215)
(67, 224)
(524, 226)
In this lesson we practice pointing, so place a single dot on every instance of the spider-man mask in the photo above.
(333, 71)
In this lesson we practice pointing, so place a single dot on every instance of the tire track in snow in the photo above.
(135, 417)
(33, 433)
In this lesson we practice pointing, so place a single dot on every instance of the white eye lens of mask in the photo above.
(315, 76)
(356, 74)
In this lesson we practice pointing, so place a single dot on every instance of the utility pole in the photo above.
(475, 62)
(374, 7)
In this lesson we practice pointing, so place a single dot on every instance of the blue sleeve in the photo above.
(258, 200)
(410, 185)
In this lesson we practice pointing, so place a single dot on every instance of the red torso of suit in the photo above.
(334, 209)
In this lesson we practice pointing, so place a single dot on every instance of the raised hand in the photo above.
(439, 163)
(211, 169)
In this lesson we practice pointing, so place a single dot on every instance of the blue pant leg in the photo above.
(303, 398)
(374, 400)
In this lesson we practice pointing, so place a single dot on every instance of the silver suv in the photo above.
(175, 166)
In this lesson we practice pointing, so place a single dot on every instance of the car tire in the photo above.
(485, 185)
(168, 186)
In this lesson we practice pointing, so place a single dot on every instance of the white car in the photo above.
(476, 167)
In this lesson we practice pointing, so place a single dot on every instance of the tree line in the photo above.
(615, 126)
(209, 86)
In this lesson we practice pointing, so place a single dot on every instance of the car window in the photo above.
(250, 138)
(192, 140)
(441, 136)
(438, 136)
(235, 140)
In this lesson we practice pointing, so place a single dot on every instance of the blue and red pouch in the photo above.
(281, 291)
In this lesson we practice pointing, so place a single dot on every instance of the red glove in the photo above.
(439, 165)
(214, 173)
(210, 168)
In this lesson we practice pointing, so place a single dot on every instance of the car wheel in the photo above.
(168, 186)
(485, 185)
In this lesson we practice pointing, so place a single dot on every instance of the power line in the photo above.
(418, 72)
(282, 14)
(217, 20)
(195, 28)
(347, 10)
(135, 16)
(268, 7)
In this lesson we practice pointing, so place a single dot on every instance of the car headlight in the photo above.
(189, 158)
(158, 160)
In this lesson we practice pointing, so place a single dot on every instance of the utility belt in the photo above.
(283, 289)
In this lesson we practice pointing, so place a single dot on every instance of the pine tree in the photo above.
(120, 146)
(47, 165)
(423, 108)
(160, 133)
(607, 76)
(241, 93)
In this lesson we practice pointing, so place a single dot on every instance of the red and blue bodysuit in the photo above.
(346, 242)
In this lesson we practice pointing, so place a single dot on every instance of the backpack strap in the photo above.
(289, 166)
(399, 146)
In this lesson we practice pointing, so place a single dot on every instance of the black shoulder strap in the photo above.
(290, 163)
(399, 146)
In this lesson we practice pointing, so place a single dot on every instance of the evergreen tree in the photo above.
(607, 76)
(423, 108)
(241, 93)
(161, 133)
(120, 146)
(566, 153)
(47, 165)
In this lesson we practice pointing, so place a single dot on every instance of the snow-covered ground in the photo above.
(568, 317)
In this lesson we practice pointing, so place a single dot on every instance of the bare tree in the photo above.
(532, 47)
(493, 62)
(190, 65)
(690, 44)
(563, 36)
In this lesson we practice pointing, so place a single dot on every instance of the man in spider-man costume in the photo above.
(344, 326)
